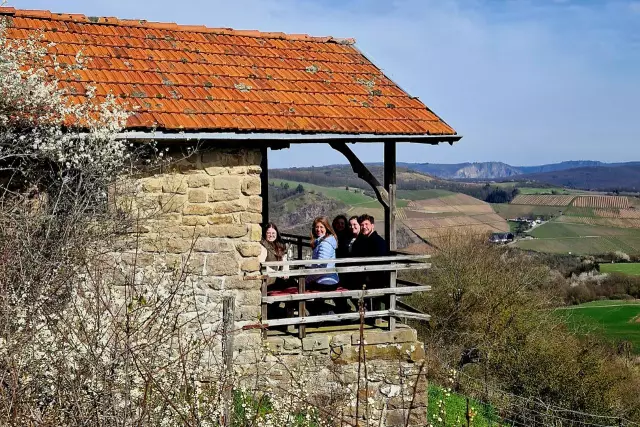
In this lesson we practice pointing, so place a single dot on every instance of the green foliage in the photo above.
(447, 408)
(248, 410)
(496, 300)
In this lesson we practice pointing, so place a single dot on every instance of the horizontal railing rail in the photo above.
(303, 268)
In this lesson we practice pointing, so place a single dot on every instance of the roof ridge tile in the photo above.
(143, 23)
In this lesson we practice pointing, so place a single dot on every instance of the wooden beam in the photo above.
(351, 269)
(363, 260)
(345, 294)
(264, 183)
(409, 315)
(325, 318)
(390, 232)
(390, 187)
(362, 171)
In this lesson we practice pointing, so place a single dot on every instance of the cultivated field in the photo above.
(507, 211)
(614, 320)
(456, 202)
(605, 222)
(601, 202)
(543, 200)
(456, 213)
(630, 268)
(560, 237)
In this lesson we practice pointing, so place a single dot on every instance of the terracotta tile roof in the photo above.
(194, 78)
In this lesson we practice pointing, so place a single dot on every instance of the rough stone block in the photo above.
(194, 220)
(341, 340)
(178, 245)
(198, 195)
(223, 264)
(409, 352)
(215, 170)
(254, 170)
(250, 264)
(229, 207)
(315, 343)
(170, 203)
(224, 195)
(228, 182)
(250, 217)
(238, 282)
(274, 344)
(230, 230)
(255, 233)
(248, 297)
(205, 244)
(249, 249)
(386, 337)
(251, 185)
(255, 204)
(175, 184)
(220, 219)
(292, 343)
(197, 209)
(197, 181)
(398, 418)
(152, 185)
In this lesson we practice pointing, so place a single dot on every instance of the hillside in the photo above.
(499, 170)
(600, 178)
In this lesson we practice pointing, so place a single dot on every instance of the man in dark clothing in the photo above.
(370, 244)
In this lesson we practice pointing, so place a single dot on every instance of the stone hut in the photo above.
(239, 94)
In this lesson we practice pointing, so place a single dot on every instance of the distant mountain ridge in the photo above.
(500, 170)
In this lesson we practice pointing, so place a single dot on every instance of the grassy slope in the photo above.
(348, 197)
(613, 320)
(507, 211)
(423, 194)
(632, 268)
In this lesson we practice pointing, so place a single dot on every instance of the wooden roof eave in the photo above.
(285, 138)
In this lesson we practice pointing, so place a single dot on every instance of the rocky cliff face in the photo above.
(486, 170)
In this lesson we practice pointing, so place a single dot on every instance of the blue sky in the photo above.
(525, 81)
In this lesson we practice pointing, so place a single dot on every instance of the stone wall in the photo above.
(324, 365)
(204, 212)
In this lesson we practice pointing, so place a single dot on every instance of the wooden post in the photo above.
(390, 217)
(228, 319)
(301, 308)
(264, 184)
(299, 242)
(264, 306)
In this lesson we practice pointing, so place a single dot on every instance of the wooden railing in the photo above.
(302, 268)
(298, 244)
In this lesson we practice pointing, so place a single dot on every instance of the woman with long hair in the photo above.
(273, 249)
(324, 244)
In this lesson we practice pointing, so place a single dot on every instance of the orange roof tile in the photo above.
(194, 78)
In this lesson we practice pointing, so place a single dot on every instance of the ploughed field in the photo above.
(613, 320)
(459, 213)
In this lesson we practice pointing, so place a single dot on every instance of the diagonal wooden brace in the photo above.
(362, 171)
